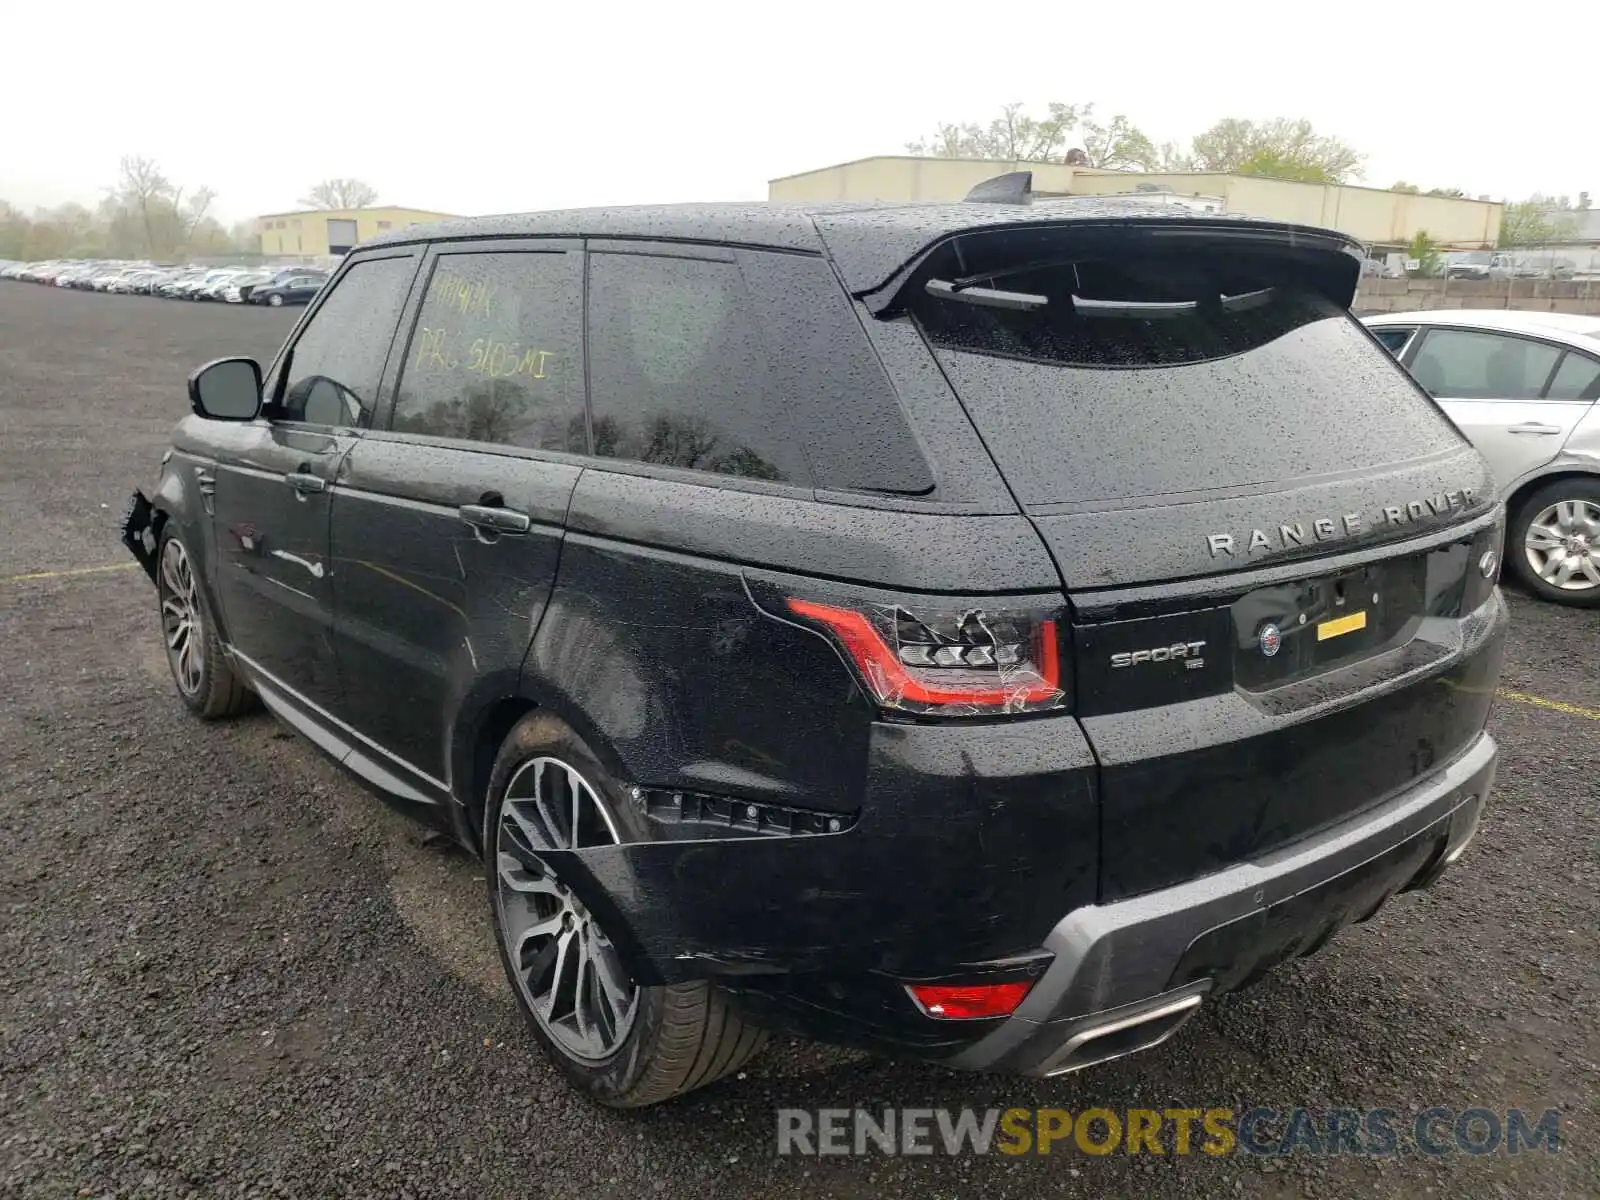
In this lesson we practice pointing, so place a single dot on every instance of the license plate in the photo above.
(1341, 625)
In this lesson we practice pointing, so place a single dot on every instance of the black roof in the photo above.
(868, 242)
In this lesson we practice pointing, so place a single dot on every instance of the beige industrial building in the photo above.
(320, 233)
(1383, 219)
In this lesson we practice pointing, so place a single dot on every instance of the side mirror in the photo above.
(227, 389)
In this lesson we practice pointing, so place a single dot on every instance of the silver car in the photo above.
(1522, 386)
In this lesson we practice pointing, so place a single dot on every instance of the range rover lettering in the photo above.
(842, 620)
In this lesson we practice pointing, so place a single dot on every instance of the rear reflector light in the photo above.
(952, 662)
(970, 1002)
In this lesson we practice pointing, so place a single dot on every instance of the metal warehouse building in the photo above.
(321, 232)
(1376, 216)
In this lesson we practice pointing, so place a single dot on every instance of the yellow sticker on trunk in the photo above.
(1341, 625)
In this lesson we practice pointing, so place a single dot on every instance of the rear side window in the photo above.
(1158, 378)
(828, 378)
(1578, 378)
(1466, 365)
(496, 356)
(335, 363)
(1393, 340)
(678, 371)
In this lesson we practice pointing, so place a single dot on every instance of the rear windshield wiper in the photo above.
(1155, 310)
(944, 289)
(1143, 310)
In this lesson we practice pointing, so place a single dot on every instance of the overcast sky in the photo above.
(479, 106)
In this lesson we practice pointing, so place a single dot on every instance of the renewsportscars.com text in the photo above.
(1436, 1131)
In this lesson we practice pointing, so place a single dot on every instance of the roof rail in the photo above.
(1014, 187)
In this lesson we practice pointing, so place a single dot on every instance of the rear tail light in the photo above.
(969, 1002)
(953, 662)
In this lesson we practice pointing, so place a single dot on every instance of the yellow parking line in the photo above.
(1572, 710)
(67, 573)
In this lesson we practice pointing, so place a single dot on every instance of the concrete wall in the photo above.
(1371, 214)
(1535, 295)
(306, 233)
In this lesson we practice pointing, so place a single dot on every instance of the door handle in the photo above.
(1533, 427)
(490, 519)
(305, 483)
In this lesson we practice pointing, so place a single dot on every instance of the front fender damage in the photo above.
(139, 532)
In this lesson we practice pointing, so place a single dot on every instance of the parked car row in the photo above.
(269, 285)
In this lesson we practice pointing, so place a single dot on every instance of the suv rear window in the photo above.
(1158, 378)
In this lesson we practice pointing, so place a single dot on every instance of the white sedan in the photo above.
(1522, 386)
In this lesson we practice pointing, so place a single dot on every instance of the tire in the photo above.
(275, 300)
(1557, 524)
(662, 1041)
(205, 680)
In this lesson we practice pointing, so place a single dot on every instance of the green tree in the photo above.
(1117, 145)
(1403, 186)
(1539, 220)
(1281, 148)
(340, 193)
(1425, 250)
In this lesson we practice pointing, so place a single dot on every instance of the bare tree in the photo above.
(1013, 136)
(146, 191)
(340, 193)
(194, 212)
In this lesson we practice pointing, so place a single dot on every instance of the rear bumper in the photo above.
(1126, 975)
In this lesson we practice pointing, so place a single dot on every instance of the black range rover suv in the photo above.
(972, 631)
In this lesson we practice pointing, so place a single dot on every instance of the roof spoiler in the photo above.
(1015, 187)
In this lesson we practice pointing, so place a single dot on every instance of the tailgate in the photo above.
(1231, 720)
(1270, 536)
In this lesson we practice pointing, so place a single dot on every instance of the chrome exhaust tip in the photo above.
(1106, 1040)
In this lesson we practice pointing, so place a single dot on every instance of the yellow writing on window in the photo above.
(456, 293)
(440, 348)
(436, 348)
(502, 360)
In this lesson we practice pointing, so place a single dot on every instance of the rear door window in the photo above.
(1154, 377)
(678, 370)
(1461, 364)
(496, 355)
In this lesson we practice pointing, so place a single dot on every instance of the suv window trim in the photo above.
(271, 406)
(427, 252)
(383, 421)
(1414, 348)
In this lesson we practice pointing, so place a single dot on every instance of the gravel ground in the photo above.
(226, 970)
